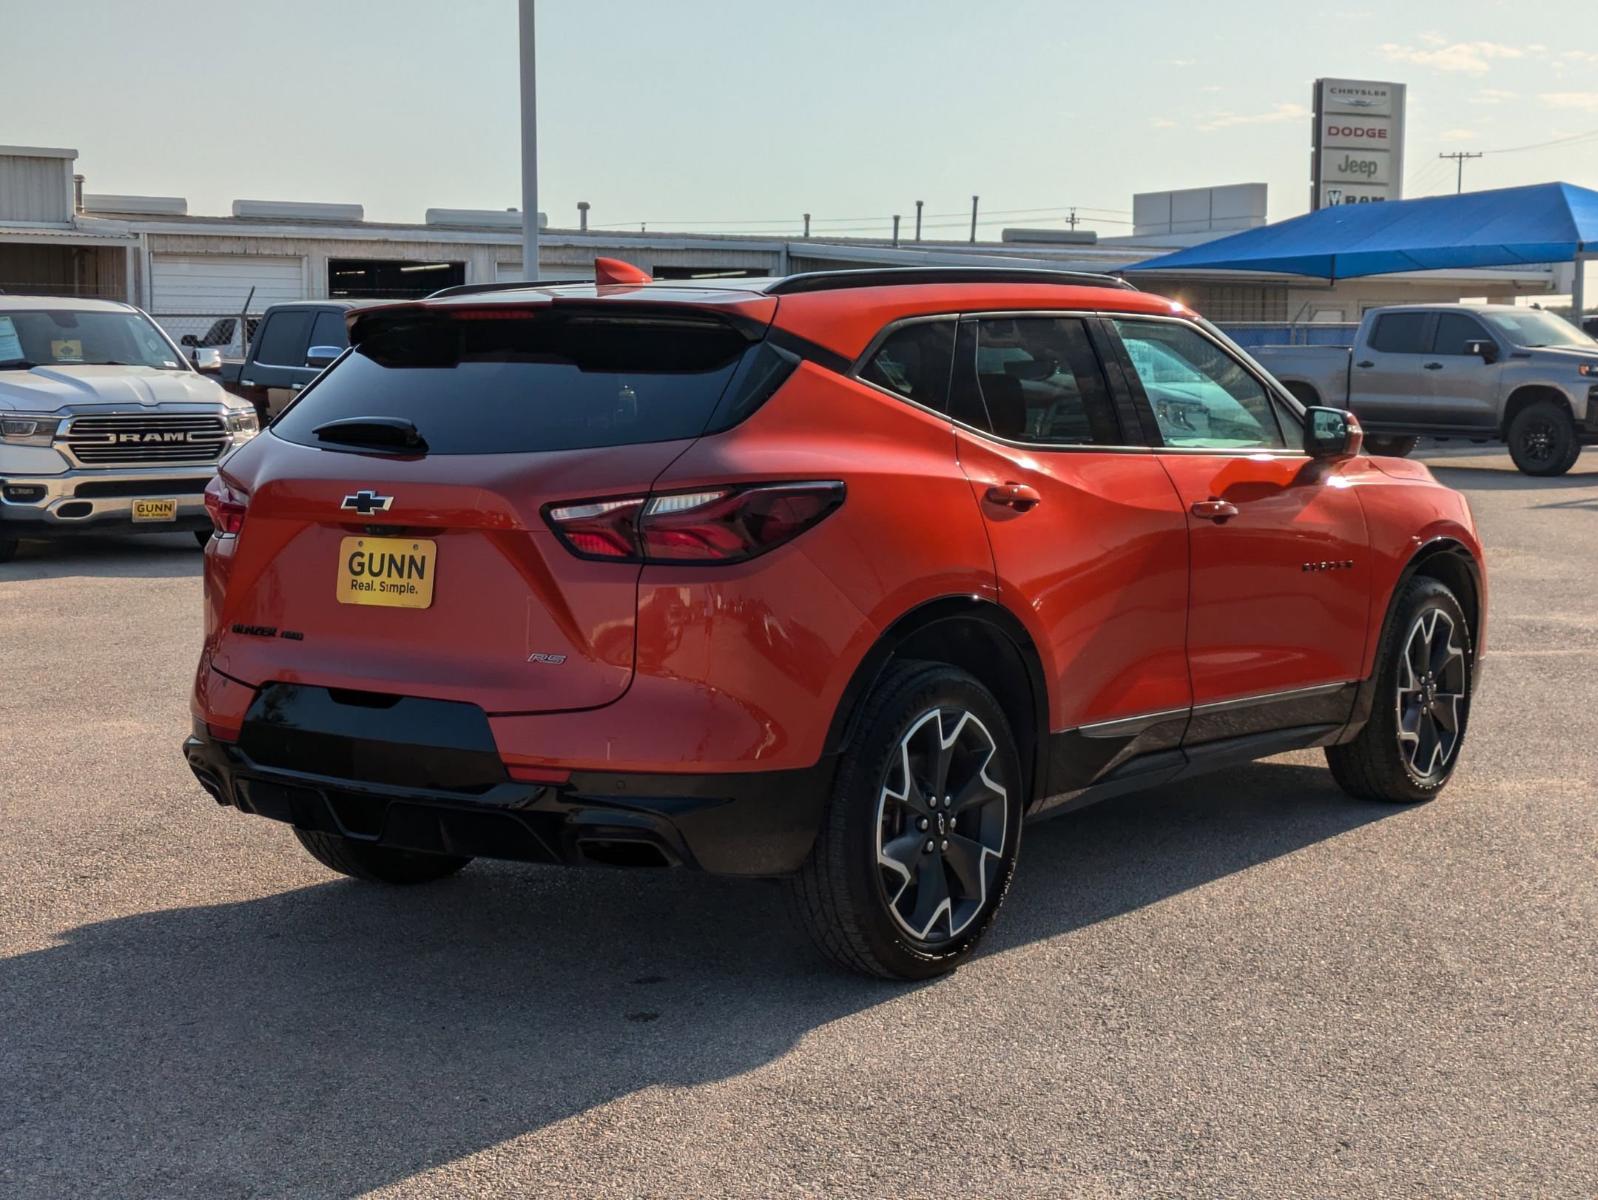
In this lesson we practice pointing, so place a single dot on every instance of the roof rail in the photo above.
(826, 281)
(473, 289)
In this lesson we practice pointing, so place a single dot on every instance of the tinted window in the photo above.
(283, 340)
(914, 361)
(1455, 332)
(1400, 333)
(1200, 394)
(329, 330)
(70, 338)
(1034, 379)
(531, 382)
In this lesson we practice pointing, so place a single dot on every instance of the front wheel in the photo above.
(919, 839)
(1408, 748)
(1542, 439)
(377, 864)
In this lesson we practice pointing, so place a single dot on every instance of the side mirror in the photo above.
(188, 339)
(1486, 351)
(1332, 433)
(321, 356)
(208, 361)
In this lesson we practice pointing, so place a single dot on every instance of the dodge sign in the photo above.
(1359, 142)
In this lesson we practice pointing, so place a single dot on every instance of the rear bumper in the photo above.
(758, 824)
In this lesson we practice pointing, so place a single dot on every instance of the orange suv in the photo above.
(838, 577)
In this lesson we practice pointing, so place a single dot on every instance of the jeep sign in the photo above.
(1358, 142)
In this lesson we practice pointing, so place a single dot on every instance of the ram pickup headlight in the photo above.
(28, 429)
(243, 424)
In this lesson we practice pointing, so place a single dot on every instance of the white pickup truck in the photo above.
(104, 425)
(1487, 372)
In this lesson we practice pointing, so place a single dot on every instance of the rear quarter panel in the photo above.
(1323, 368)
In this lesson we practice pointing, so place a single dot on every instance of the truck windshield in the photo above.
(63, 338)
(1534, 328)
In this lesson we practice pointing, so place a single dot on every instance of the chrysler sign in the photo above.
(1358, 142)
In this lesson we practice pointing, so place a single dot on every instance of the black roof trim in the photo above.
(473, 289)
(826, 281)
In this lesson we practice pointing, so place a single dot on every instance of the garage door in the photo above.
(215, 284)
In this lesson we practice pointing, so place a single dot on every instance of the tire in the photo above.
(8, 549)
(1392, 447)
(203, 536)
(377, 864)
(862, 908)
(1390, 759)
(1542, 439)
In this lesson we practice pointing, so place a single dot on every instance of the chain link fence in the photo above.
(218, 331)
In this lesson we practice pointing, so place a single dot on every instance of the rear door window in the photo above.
(1401, 333)
(1034, 380)
(533, 381)
(914, 361)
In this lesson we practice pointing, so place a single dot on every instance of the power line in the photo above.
(1559, 141)
(1459, 157)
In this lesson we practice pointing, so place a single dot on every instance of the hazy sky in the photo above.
(742, 116)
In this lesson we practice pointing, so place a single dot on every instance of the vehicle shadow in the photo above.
(149, 556)
(340, 1037)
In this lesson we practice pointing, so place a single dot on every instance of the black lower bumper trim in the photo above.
(751, 824)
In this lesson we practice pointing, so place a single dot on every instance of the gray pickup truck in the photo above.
(1486, 372)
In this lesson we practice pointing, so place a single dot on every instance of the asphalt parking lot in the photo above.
(1246, 985)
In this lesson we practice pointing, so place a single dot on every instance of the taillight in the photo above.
(226, 506)
(710, 525)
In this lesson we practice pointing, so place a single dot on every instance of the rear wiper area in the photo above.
(374, 433)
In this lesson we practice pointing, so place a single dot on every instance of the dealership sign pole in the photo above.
(529, 146)
(1358, 154)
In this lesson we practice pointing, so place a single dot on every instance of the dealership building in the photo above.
(189, 270)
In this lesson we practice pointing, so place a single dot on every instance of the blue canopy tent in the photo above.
(1540, 223)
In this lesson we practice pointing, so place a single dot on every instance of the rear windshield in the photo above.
(526, 382)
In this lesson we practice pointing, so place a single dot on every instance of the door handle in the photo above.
(1018, 496)
(1434, 366)
(1213, 509)
(1365, 363)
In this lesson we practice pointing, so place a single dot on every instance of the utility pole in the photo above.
(918, 220)
(974, 200)
(529, 144)
(807, 224)
(582, 216)
(1459, 157)
(895, 229)
(1071, 220)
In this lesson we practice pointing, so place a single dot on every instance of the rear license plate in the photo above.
(392, 572)
(155, 510)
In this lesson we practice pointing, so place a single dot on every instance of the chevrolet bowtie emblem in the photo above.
(366, 503)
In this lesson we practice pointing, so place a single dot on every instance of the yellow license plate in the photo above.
(392, 572)
(155, 510)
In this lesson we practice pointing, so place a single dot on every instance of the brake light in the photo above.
(711, 525)
(226, 506)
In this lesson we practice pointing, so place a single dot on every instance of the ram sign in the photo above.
(1359, 142)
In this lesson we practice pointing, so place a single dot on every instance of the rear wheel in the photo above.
(1542, 439)
(919, 840)
(1394, 447)
(1408, 748)
(377, 864)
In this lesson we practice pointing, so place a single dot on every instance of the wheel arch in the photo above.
(1305, 393)
(1451, 563)
(1528, 394)
(978, 636)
